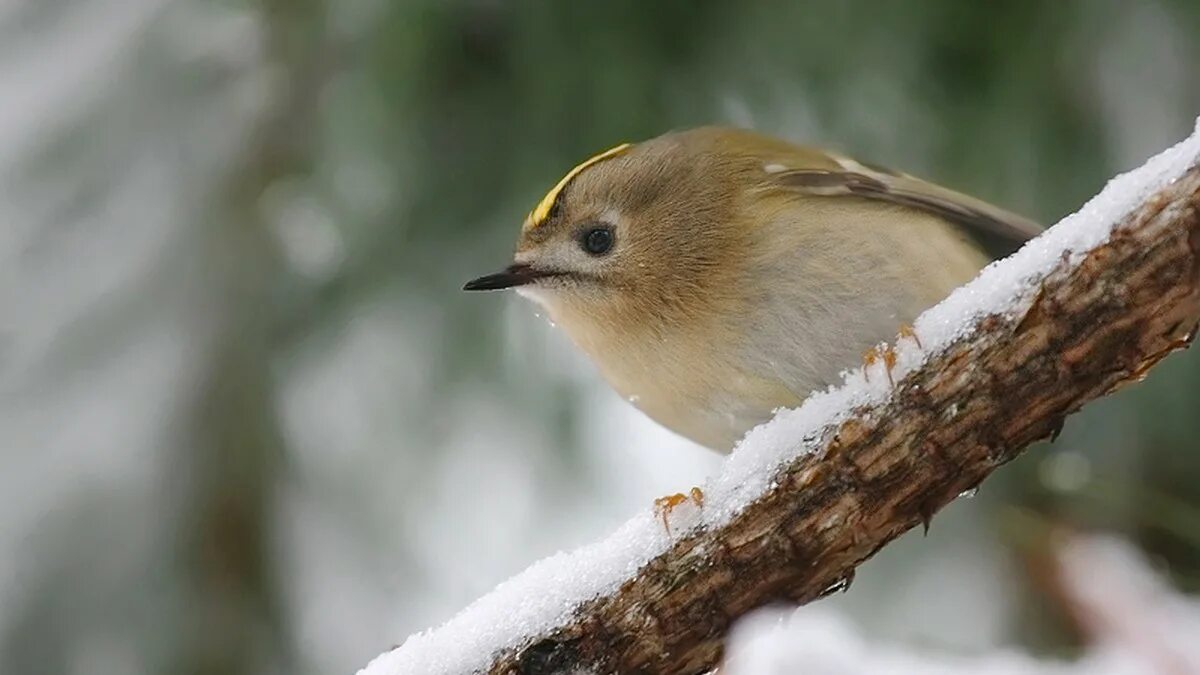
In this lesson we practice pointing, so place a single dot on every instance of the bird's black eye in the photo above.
(597, 240)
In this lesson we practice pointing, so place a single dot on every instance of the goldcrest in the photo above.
(716, 275)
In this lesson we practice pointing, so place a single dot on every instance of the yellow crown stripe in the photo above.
(539, 214)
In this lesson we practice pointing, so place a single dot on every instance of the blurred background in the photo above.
(249, 424)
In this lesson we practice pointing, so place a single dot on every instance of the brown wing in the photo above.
(998, 232)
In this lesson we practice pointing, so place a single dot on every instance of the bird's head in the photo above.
(635, 239)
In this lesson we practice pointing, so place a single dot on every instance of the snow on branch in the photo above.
(1085, 308)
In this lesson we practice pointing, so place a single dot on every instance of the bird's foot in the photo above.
(887, 353)
(881, 352)
(906, 332)
(663, 506)
(870, 358)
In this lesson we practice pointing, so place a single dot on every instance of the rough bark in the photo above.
(1092, 328)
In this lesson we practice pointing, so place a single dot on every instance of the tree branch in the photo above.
(1095, 322)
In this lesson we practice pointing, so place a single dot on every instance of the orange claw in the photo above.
(906, 331)
(889, 362)
(870, 358)
(663, 506)
(880, 352)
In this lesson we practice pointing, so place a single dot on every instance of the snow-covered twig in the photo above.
(1139, 627)
(1119, 602)
(1082, 310)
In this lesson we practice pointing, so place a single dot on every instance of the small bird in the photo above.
(715, 275)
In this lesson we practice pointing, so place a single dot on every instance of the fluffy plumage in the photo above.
(746, 271)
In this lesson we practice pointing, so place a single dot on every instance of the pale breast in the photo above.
(696, 389)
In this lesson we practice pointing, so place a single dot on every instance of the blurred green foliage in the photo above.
(391, 151)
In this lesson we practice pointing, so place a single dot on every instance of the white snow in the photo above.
(546, 594)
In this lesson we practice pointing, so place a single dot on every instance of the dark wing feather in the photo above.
(998, 232)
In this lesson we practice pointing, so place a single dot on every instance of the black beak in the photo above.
(512, 276)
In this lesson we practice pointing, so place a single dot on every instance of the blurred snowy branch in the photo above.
(1084, 309)
(1136, 625)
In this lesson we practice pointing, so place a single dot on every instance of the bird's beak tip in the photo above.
(484, 283)
(511, 276)
(476, 285)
